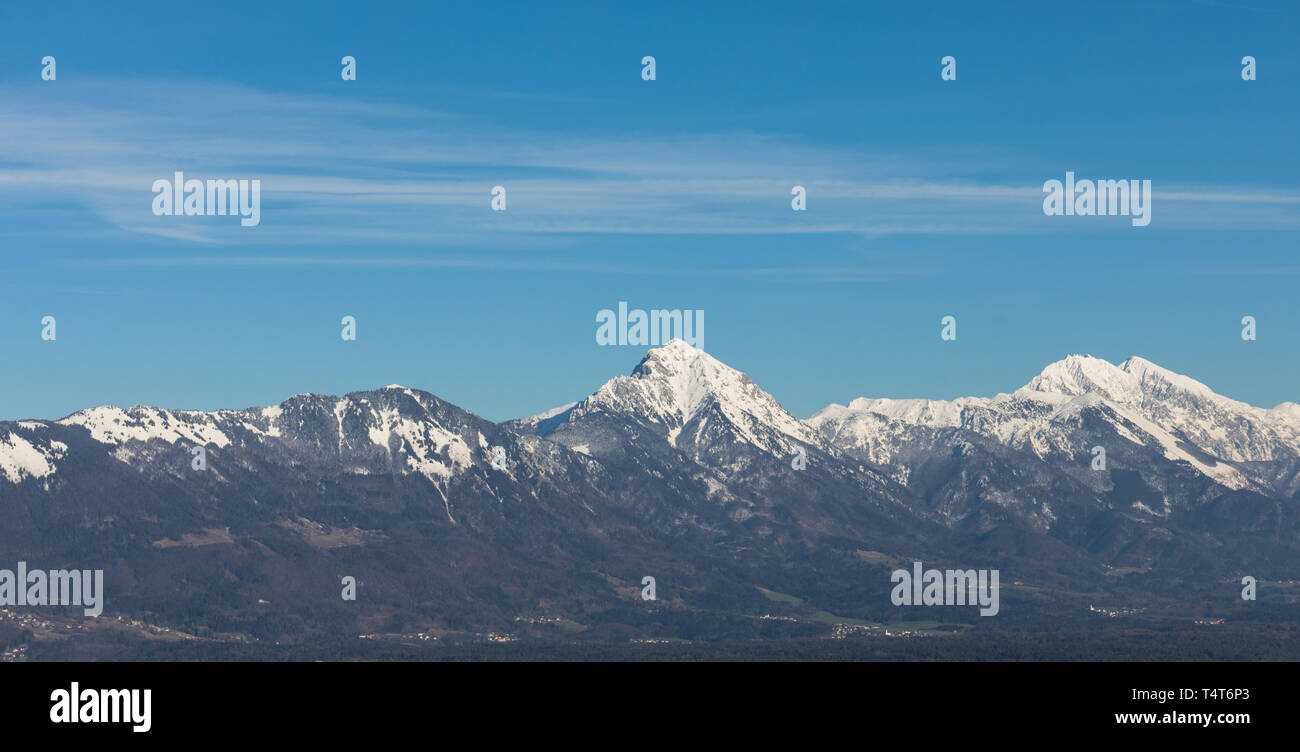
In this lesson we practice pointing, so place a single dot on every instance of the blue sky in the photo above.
(924, 197)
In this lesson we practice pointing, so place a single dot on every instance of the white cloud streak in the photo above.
(342, 171)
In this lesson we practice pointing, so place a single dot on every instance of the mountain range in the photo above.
(754, 523)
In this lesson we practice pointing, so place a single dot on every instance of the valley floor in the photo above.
(1167, 644)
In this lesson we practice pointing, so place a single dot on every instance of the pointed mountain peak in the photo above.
(673, 354)
(677, 383)
(675, 380)
(1077, 375)
(676, 344)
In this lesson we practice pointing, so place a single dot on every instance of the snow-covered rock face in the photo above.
(1225, 428)
(679, 387)
(22, 458)
(113, 425)
(922, 412)
(1287, 413)
(1183, 419)
(390, 429)
(1083, 374)
(393, 428)
(397, 420)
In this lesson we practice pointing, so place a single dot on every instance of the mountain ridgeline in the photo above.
(754, 524)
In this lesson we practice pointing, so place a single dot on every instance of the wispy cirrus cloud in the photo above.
(339, 170)
(825, 273)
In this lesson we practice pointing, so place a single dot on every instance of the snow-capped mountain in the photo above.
(1081, 402)
(693, 401)
(709, 432)
(309, 441)
(364, 432)
(684, 469)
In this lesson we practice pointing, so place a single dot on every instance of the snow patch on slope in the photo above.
(429, 449)
(20, 458)
(113, 425)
